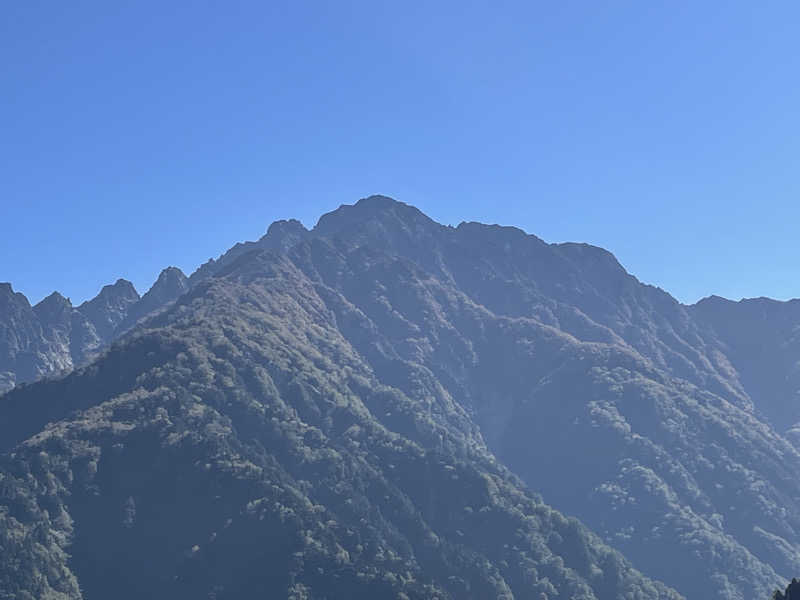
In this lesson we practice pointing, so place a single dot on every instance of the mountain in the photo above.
(54, 337)
(171, 284)
(110, 307)
(431, 375)
(604, 394)
(238, 445)
(762, 339)
(34, 341)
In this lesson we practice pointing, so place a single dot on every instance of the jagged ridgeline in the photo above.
(360, 411)
(54, 337)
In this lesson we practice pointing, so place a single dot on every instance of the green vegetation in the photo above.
(361, 410)
(242, 447)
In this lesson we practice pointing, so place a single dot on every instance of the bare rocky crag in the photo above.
(54, 337)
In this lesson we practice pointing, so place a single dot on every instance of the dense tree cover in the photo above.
(604, 394)
(241, 447)
(345, 391)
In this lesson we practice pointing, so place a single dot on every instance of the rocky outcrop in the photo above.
(169, 286)
(54, 336)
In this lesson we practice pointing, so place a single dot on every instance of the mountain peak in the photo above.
(120, 289)
(54, 308)
(282, 235)
(286, 226)
(7, 294)
(379, 201)
(124, 284)
(110, 307)
(55, 297)
(169, 276)
(387, 213)
(170, 284)
(53, 301)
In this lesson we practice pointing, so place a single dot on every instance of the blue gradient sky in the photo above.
(136, 135)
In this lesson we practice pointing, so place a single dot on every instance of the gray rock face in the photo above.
(108, 309)
(18, 332)
(54, 337)
(29, 347)
(171, 284)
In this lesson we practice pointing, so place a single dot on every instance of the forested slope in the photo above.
(241, 446)
(389, 379)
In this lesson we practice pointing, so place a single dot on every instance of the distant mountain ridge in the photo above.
(54, 337)
(667, 429)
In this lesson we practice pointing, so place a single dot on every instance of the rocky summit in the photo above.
(387, 407)
(54, 337)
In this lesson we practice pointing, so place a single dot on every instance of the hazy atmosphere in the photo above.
(142, 134)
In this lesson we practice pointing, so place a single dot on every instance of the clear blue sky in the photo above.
(136, 135)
